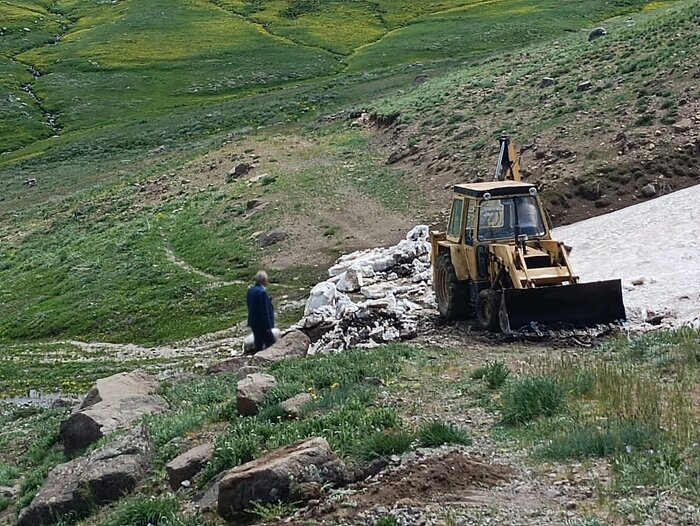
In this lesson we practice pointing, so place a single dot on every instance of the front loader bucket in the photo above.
(579, 305)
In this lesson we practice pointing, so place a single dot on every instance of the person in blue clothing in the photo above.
(261, 313)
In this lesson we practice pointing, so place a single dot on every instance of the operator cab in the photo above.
(499, 210)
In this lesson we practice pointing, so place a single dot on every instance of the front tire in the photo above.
(488, 305)
(451, 294)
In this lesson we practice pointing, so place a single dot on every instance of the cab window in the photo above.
(471, 218)
(456, 218)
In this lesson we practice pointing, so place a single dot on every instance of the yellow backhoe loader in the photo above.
(498, 262)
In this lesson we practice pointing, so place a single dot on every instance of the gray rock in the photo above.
(247, 370)
(271, 479)
(648, 190)
(293, 406)
(241, 169)
(351, 280)
(104, 476)
(546, 82)
(187, 465)
(113, 403)
(9, 492)
(586, 85)
(294, 344)
(272, 238)
(251, 392)
(597, 33)
(253, 204)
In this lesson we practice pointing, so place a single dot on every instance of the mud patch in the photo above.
(452, 474)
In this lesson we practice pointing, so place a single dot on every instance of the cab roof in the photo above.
(493, 188)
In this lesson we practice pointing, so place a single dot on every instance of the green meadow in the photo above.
(100, 98)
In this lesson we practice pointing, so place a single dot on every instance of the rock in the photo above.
(597, 33)
(113, 403)
(232, 365)
(8, 492)
(241, 169)
(251, 392)
(253, 204)
(322, 295)
(249, 341)
(351, 280)
(186, 466)
(546, 82)
(586, 85)
(294, 405)
(683, 125)
(247, 370)
(272, 238)
(271, 479)
(294, 344)
(77, 486)
(648, 190)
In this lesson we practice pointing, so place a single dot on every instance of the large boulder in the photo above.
(294, 344)
(106, 475)
(251, 392)
(272, 478)
(113, 403)
(351, 280)
(187, 465)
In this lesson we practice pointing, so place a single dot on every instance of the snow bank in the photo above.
(654, 247)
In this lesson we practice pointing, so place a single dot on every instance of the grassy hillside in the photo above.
(131, 115)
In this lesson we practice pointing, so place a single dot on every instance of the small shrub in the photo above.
(496, 374)
(531, 397)
(383, 444)
(593, 440)
(437, 433)
(271, 512)
(387, 520)
(141, 511)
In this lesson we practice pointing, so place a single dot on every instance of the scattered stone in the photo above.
(586, 85)
(241, 169)
(251, 392)
(683, 125)
(597, 33)
(113, 403)
(184, 467)
(351, 280)
(253, 204)
(106, 475)
(271, 478)
(294, 344)
(648, 190)
(247, 370)
(546, 82)
(272, 238)
(30, 183)
(293, 406)
(8, 492)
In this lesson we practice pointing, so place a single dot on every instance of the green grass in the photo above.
(435, 434)
(604, 439)
(531, 397)
(494, 374)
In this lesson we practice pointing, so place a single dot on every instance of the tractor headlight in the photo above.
(487, 196)
(533, 191)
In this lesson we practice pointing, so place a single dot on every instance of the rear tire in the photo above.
(451, 294)
(488, 305)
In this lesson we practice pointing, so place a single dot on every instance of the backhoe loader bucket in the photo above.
(579, 305)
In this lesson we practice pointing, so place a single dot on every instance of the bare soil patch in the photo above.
(438, 477)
